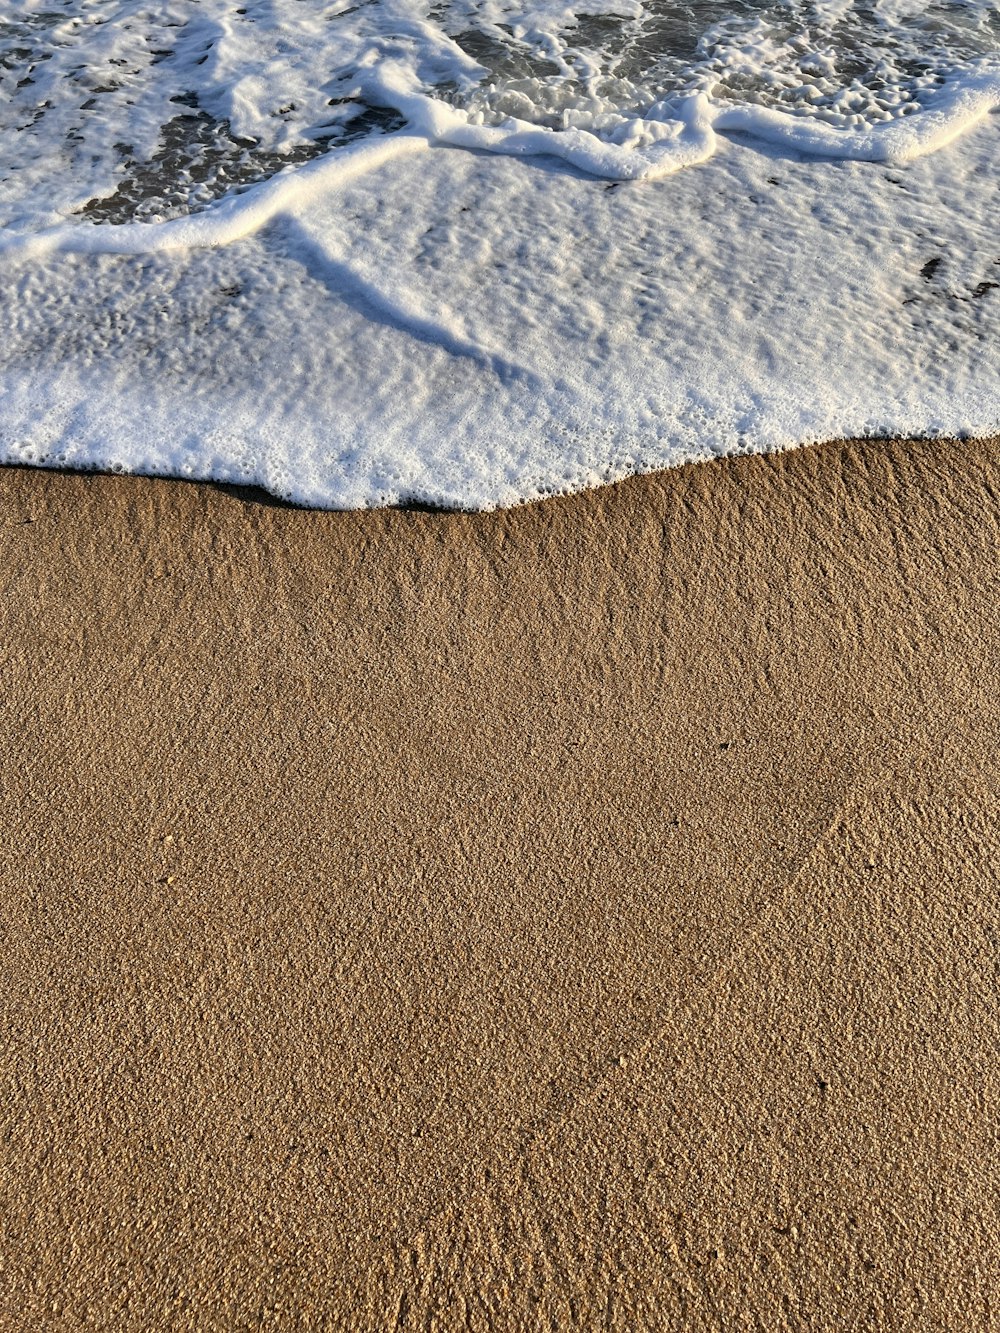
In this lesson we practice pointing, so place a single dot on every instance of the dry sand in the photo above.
(578, 916)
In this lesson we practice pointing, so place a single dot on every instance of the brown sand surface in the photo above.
(578, 916)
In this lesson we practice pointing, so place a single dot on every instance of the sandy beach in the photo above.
(582, 915)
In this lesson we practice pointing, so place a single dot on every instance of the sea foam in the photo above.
(366, 255)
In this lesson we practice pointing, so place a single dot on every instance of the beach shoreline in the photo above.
(577, 912)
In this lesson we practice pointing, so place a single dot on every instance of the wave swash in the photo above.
(472, 253)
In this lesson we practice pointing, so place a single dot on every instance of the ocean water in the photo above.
(473, 252)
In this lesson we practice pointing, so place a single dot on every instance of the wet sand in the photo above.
(578, 916)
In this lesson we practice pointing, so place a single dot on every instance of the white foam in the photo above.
(463, 312)
(233, 218)
(165, 109)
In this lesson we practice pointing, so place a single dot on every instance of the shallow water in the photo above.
(474, 252)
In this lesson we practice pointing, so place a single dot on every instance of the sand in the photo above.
(578, 916)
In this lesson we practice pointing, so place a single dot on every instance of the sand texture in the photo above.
(578, 916)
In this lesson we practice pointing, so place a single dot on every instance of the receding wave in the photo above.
(360, 252)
